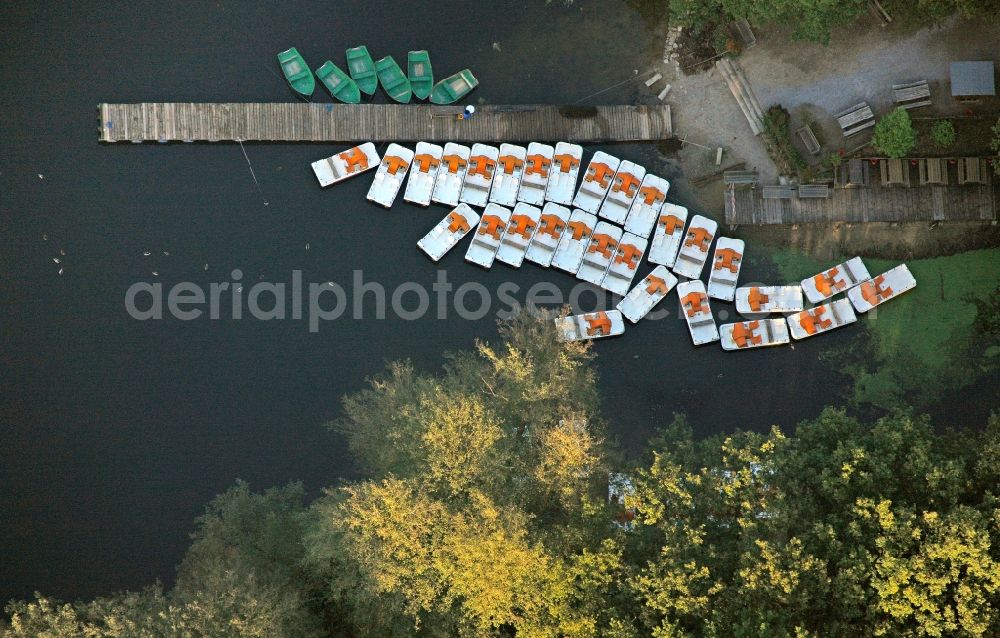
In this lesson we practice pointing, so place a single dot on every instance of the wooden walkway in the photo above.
(875, 203)
(304, 122)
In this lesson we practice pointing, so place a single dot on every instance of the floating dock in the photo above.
(356, 123)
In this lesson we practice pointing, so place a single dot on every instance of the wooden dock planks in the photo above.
(302, 122)
(875, 203)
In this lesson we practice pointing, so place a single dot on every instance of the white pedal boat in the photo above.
(562, 176)
(623, 267)
(575, 241)
(390, 175)
(624, 188)
(451, 174)
(590, 325)
(534, 178)
(758, 333)
(479, 177)
(601, 250)
(668, 236)
(596, 182)
(448, 232)
(551, 226)
(349, 163)
(882, 288)
(840, 278)
(520, 230)
(821, 319)
(510, 167)
(725, 270)
(694, 249)
(492, 226)
(697, 312)
(423, 174)
(647, 205)
(768, 299)
(650, 291)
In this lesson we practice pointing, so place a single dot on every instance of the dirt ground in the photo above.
(813, 82)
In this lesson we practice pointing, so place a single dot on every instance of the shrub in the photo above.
(894, 134)
(943, 134)
(995, 145)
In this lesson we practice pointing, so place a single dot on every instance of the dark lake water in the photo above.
(115, 432)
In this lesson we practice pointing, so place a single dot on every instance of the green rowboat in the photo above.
(362, 69)
(297, 72)
(454, 88)
(339, 84)
(420, 73)
(393, 81)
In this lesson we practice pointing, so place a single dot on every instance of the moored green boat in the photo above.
(339, 84)
(297, 72)
(393, 81)
(362, 69)
(454, 88)
(420, 73)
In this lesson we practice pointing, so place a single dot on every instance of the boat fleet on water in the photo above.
(533, 210)
(364, 75)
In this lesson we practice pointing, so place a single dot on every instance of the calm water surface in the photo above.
(115, 432)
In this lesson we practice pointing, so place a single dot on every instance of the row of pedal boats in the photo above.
(600, 231)
(365, 74)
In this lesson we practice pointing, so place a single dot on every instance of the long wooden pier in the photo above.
(306, 122)
(875, 203)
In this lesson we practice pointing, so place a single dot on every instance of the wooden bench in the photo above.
(972, 170)
(912, 95)
(739, 177)
(933, 170)
(814, 191)
(856, 119)
(894, 172)
(853, 173)
(742, 28)
(809, 139)
(777, 191)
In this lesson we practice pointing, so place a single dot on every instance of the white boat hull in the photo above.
(821, 319)
(485, 242)
(390, 175)
(647, 206)
(880, 289)
(767, 299)
(596, 182)
(520, 231)
(840, 278)
(479, 177)
(575, 241)
(448, 232)
(510, 168)
(552, 225)
(451, 175)
(562, 176)
(623, 267)
(346, 164)
(694, 249)
(423, 174)
(650, 291)
(759, 333)
(697, 312)
(590, 325)
(624, 189)
(668, 235)
(600, 252)
(725, 271)
(534, 179)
